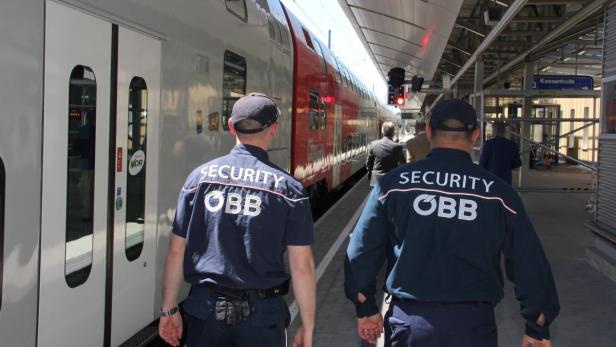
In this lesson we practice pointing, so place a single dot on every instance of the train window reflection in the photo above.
(80, 175)
(321, 58)
(136, 156)
(313, 111)
(233, 84)
(238, 8)
(323, 114)
(2, 199)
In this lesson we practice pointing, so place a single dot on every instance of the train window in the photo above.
(286, 44)
(135, 180)
(80, 175)
(272, 27)
(338, 73)
(323, 114)
(263, 4)
(2, 199)
(277, 27)
(308, 39)
(321, 58)
(313, 111)
(233, 84)
(238, 8)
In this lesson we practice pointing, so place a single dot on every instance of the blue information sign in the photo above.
(562, 82)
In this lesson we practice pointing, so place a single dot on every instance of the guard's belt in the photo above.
(239, 294)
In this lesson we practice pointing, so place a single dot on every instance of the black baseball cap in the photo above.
(255, 106)
(453, 109)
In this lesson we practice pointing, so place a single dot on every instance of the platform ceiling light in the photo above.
(582, 52)
(544, 69)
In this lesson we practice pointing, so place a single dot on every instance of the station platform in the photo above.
(557, 203)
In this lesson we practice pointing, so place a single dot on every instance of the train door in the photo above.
(136, 176)
(75, 178)
(337, 144)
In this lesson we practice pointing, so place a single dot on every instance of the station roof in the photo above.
(432, 38)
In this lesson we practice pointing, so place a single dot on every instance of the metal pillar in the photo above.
(525, 126)
(478, 104)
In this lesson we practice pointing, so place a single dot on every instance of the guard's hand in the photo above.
(170, 329)
(370, 328)
(528, 341)
(303, 337)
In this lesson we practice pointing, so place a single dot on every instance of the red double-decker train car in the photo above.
(334, 115)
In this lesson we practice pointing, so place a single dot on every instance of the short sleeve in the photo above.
(183, 212)
(299, 228)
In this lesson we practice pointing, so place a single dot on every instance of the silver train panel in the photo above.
(21, 96)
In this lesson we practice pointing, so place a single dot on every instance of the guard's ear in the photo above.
(274, 128)
(475, 135)
(231, 128)
(429, 132)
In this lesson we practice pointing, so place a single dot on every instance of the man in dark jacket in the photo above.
(500, 155)
(384, 155)
(447, 222)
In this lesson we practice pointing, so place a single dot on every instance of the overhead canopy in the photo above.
(411, 34)
(431, 38)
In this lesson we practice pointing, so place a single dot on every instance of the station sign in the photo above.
(543, 82)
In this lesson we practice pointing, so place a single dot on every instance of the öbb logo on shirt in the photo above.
(445, 207)
(233, 203)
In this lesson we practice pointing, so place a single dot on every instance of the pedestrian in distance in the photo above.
(500, 155)
(236, 216)
(384, 154)
(448, 222)
(418, 147)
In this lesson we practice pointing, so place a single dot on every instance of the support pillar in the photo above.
(478, 104)
(525, 125)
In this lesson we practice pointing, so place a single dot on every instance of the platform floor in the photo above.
(588, 298)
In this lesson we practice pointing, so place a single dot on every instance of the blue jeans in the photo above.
(423, 324)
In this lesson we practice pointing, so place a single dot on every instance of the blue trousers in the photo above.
(265, 327)
(423, 324)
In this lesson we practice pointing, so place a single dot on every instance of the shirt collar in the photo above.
(449, 153)
(255, 151)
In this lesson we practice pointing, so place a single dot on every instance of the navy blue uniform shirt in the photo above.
(499, 156)
(238, 213)
(448, 222)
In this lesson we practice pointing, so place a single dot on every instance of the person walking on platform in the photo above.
(235, 217)
(384, 154)
(500, 155)
(419, 146)
(447, 221)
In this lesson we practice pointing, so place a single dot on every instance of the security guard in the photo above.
(235, 216)
(448, 222)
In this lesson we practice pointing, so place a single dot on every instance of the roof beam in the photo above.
(471, 27)
(563, 27)
(512, 11)
(393, 49)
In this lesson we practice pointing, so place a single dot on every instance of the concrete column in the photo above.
(478, 104)
(525, 124)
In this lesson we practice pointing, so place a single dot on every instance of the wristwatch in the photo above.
(169, 312)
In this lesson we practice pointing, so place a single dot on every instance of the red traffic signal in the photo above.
(400, 100)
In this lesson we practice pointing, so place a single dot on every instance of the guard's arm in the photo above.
(366, 255)
(173, 274)
(301, 264)
(527, 266)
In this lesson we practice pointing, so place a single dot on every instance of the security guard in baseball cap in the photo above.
(236, 216)
(447, 222)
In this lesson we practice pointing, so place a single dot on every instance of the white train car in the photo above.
(105, 106)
